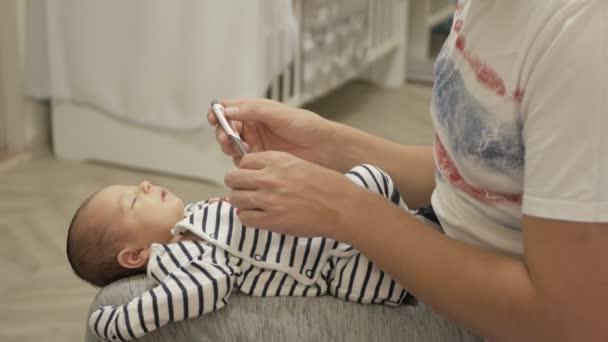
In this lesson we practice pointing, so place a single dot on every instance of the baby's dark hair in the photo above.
(92, 251)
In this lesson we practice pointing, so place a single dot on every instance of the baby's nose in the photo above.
(145, 186)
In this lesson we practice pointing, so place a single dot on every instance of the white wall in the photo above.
(36, 120)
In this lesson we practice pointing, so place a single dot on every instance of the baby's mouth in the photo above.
(163, 194)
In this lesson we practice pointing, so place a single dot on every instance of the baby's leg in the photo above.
(378, 181)
(356, 278)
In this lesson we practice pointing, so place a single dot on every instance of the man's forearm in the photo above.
(411, 167)
(489, 293)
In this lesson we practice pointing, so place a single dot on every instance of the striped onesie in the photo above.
(197, 277)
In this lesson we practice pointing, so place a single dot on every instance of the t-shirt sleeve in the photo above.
(565, 120)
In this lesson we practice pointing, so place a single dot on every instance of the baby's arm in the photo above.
(200, 287)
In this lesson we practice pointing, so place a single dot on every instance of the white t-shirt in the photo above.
(520, 109)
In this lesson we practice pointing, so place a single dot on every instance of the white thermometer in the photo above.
(218, 110)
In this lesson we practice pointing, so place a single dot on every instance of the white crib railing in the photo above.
(375, 49)
(426, 15)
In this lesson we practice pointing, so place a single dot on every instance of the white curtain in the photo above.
(157, 63)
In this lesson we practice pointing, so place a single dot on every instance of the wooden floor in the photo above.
(41, 300)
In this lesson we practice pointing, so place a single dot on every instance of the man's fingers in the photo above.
(250, 110)
(237, 126)
(228, 147)
(241, 179)
(225, 143)
(240, 101)
(220, 135)
(243, 199)
(211, 118)
(254, 161)
(252, 217)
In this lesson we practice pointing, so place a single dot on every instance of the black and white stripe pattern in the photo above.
(199, 287)
(196, 277)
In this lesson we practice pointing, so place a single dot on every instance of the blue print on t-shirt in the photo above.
(470, 129)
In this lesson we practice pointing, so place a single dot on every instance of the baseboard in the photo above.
(37, 125)
(12, 160)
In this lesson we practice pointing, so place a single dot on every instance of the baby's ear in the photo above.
(130, 257)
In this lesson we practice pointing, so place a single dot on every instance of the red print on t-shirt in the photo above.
(449, 172)
(459, 7)
(458, 25)
(485, 74)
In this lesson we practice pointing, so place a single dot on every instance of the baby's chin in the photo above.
(180, 205)
(185, 236)
(175, 239)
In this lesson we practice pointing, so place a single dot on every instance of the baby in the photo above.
(200, 253)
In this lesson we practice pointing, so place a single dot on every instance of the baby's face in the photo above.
(137, 215)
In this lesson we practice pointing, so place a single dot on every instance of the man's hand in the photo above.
(283, 193)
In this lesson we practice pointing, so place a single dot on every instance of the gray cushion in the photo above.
(325, 318)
